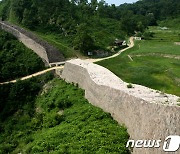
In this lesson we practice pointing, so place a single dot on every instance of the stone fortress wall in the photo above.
(46, 52)
(147, 113)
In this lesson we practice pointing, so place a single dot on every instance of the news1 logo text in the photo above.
(171, 143)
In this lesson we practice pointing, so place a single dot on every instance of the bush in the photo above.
(20, 96)
(148, 35)
(129, 85)
(63, 104)
(52, 119)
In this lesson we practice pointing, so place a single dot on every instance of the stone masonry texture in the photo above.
(144, 118)
(46, 52)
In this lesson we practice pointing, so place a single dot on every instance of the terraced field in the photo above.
(153, 63)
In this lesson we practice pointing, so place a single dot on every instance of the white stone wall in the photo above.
(37, 48)
(28, 42)
(136, 108)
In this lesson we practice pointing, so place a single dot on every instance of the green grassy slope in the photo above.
(62, 121)
(171, 22)
(149, 67)
(60, 42)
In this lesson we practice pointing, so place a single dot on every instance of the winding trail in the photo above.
(34, 75)
(130, 45)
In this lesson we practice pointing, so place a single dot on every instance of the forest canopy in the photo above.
(104, 23)
(67, 18)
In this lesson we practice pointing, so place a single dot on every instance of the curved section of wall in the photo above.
(145, 117)
(46, 52)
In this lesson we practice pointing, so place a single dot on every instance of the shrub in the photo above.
(129, 85)
(148, 35)
(52, 119)
(63, 104)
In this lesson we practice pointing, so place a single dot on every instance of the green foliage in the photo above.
(15, 59)
(52, 119)
(139, 34)
(170, 22)
(129, 85)
(61, 121)
(153, 10)
(20, 95)
(131, 23)
(83, 40)
(64, 19)
(64, 44)
(65, 15)
(149, 67)
(148, 35)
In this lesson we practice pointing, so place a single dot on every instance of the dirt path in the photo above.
(130, 45)
(35, 74)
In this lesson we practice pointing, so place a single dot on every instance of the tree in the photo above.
(83, 41)
(94, 5)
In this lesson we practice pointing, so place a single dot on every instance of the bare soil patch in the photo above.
(177, 43)
(156, 54)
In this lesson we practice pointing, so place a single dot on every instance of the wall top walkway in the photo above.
(103, 76)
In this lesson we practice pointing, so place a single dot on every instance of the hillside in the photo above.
(76, 27)
(15, 59)
(71, 26)
(45, 114)
(154, 10)
(57, 119)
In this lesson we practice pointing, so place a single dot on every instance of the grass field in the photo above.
(163, 42)
(149, 66)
